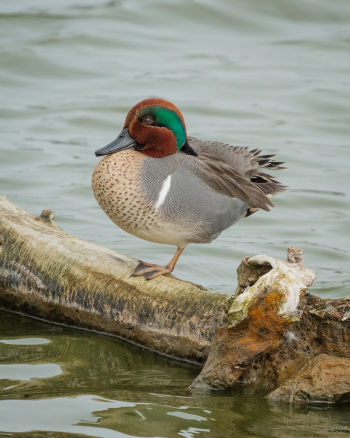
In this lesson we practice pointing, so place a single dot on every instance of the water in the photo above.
(272, 74)
(104, 388)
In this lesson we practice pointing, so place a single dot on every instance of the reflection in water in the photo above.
(58, 414)
(111, 389)
(27, 372)
(25, 341)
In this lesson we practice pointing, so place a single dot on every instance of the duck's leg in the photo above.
(149, 271)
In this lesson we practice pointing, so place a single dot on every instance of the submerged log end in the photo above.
(278, 339)
(323, 378)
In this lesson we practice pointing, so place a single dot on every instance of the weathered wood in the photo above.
(48, 273)
(292, 345)
(271, 335)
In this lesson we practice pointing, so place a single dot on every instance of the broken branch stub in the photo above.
(280, 339)
(266, 301)
(269, 279)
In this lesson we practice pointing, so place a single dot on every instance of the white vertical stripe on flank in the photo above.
(163, 191)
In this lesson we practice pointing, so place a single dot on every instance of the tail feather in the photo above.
(269, 185)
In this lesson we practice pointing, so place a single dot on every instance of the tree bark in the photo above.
(270, 335)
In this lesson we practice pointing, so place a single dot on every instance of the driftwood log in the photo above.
(271, 335)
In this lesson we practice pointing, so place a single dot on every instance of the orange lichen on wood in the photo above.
(265, 304)
(237, 346)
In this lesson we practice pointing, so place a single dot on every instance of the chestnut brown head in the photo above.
(153, 126)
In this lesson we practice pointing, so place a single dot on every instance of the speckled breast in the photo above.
(116, 185)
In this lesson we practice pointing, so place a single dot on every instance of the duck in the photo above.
(159, 184)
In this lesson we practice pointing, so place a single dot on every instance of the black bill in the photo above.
(122, 142)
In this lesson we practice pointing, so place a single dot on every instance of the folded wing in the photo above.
(237, 171)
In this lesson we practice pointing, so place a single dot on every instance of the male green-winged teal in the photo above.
(165, 187)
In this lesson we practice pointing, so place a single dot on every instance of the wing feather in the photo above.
(237, 171)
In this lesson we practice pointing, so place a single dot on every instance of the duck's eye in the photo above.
(147, 120)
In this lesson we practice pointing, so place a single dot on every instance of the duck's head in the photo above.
(153, 126)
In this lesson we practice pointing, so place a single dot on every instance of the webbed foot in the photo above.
(149, 270)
